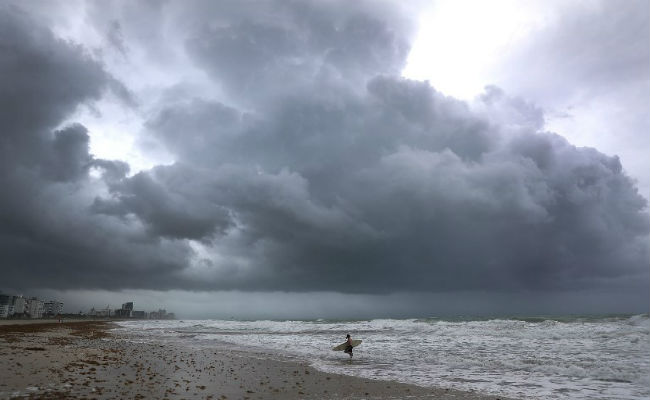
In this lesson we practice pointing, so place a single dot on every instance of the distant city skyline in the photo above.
(327, 158)
(17, 306)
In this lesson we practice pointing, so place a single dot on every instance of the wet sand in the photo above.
(36, 321)
(85, 360)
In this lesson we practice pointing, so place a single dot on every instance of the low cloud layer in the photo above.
(314, 167)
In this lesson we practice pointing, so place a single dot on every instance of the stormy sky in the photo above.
(326, 158)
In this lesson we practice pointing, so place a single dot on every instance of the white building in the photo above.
(52, 307)
(34, 307)
(19, 304)
(4, 305)
(100, 313)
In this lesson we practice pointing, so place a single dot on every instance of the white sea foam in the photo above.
(568, 358)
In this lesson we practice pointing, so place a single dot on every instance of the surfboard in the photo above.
(342, 346)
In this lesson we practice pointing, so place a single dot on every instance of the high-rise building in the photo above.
(122, 313)
(126, 311)
(161, 314)
(6, 302)
(52, 307)
(106, 312)
(34, 307)
(19, 305)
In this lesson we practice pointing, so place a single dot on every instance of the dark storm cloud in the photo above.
(68, 157)
(321, 170)
(43, 79)
(170, 204)
(403, 188)
(47, 235)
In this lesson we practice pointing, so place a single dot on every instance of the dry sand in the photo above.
(85, 360)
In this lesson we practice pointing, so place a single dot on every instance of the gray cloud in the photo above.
(403, 188)
(302, 45)
(68, 155)
(115, 39)
(317, 169)
(590, 50)
(169, 202)
(48, 237)
(43, 79)
(589, 68)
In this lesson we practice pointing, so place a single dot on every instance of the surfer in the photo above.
(348, 349)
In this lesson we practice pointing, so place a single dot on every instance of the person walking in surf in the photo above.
(348, 349)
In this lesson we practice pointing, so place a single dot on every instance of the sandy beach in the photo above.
(85, 360)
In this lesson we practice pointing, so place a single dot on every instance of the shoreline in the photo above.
(37, 321)
(84, 359)
(6, 322)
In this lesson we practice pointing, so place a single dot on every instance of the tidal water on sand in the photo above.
(525, 358)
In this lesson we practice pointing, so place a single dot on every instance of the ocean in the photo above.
(525, 358)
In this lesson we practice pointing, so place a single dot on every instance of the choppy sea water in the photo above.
(534, 358)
